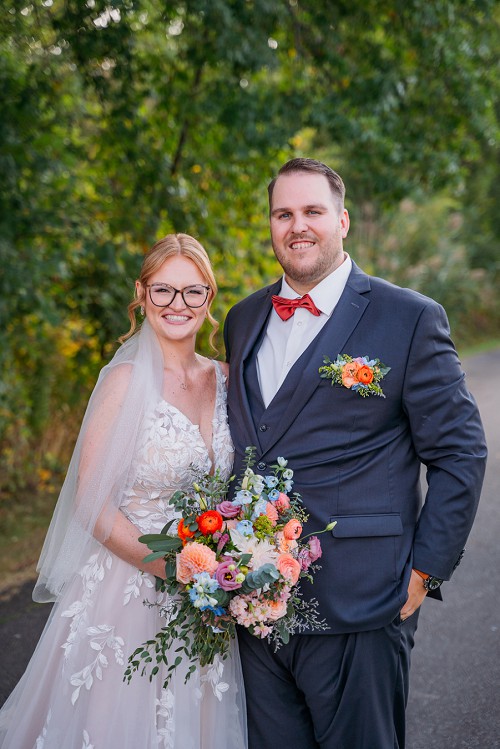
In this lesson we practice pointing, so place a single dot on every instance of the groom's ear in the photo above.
(345, 222)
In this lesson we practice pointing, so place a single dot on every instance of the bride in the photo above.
(158, 409)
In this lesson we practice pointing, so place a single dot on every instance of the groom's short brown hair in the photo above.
(298, 165)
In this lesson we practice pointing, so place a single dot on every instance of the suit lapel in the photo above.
(304, 377)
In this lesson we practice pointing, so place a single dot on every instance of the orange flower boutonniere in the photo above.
(360, 373)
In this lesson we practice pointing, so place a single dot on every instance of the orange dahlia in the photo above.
(192, 559)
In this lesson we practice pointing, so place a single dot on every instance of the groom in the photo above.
(357, 461)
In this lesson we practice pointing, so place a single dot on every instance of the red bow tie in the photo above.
(286, 307)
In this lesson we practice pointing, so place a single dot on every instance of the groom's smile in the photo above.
(301, 244)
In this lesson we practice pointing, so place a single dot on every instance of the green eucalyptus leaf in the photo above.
(152, 557)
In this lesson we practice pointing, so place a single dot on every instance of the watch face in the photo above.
(432, 583)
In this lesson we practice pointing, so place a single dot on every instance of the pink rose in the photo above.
(282, 503)
(315, 551)
(309, 553)
(304, 559)
(227, 509)
(272, 513)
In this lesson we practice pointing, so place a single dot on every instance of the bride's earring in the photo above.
(142, 311)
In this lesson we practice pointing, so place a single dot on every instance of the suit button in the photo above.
(263, 427)
(261, 466)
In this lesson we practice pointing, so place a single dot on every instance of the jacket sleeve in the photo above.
(449, 439)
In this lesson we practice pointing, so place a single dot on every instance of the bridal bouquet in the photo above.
(231, 562)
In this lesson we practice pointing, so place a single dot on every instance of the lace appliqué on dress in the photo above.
(213, 676)
(100, 636)
(165, 719)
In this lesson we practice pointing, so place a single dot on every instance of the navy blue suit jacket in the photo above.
(357, 460)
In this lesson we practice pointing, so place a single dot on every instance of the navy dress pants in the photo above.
(345, 691)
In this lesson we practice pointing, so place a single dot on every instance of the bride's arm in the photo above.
(123, 541)
(111, 527)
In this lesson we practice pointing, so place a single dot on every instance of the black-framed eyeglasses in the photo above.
(162, 295)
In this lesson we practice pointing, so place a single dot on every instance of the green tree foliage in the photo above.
(124, 120)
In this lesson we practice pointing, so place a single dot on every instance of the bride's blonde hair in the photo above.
(170, 246)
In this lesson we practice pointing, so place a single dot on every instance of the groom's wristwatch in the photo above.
(430, 582)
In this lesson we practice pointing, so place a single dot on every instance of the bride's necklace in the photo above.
(181, 380)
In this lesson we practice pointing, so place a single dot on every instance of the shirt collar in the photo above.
(327, 292)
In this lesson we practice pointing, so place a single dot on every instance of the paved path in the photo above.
(455, 681)
(455, 686)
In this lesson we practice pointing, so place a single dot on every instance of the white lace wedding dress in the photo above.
(73, 695)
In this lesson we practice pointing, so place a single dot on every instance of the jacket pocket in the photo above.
(364, 526)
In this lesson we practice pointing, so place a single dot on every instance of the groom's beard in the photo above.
(311, 266)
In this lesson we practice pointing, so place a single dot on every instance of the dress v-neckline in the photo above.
(208, 449)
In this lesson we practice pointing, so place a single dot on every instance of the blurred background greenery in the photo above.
(123, 120)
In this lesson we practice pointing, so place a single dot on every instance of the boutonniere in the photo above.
(359, 373)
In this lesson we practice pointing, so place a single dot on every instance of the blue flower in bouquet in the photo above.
(243, 497)
(259, 508)
(201, 593)
(245, 527)
(273, 495)
(270, 481)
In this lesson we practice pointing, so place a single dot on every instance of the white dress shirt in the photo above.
(285, 341)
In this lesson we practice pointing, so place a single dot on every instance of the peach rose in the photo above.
(289, 567)
(276, 609)
(192, 559)
(365, 375)
(292, 529)
(349, 373)
(272, 513)
(282, 503)
(285, 544)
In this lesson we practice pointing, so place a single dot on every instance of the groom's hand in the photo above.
(416, 594)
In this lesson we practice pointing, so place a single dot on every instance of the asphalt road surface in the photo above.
(455, 682)
(455, 679)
